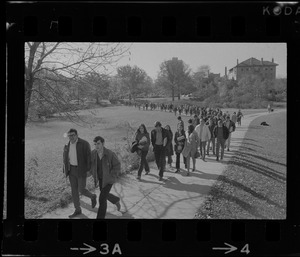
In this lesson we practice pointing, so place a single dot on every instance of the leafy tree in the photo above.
(95, 86)
(174, 75)
(134, 79)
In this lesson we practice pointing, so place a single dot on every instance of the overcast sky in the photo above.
(149, 56)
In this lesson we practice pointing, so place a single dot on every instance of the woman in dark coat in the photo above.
(179, 140)
(169, 146)
(143, 139)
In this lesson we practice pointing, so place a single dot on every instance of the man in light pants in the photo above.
(204, 136)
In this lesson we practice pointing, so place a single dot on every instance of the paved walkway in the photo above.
(177, 197)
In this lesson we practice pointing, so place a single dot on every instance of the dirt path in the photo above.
(177, 197)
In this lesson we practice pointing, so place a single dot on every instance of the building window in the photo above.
(242, 69)
(266, 68)
(271, 68)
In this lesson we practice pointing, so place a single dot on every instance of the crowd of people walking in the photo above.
(208, 132)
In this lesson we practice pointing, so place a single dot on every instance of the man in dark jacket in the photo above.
(159, 140)
(221, 133)
(77, 161)
(105, 169)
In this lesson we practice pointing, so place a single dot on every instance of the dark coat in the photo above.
(111, 167)
(179, 142)
(83, 151)
(225, 132)
(153, 136)
(139, 136)
(169, 146)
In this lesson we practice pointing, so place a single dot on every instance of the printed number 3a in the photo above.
(245, 249)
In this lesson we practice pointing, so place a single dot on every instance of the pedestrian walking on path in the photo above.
(204, 136)
(212, 140)
(105, 168)
(143, 140)
(179, 140)
(190, 147)
(159, 140)
(180, 121)
(231, 127)
(234, 118)
(221, 134)
(239, 118)
(169, 146)
(77, 162)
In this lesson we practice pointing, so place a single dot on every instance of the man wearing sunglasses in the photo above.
(77, 161)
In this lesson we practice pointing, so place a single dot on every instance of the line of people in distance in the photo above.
(203, 135)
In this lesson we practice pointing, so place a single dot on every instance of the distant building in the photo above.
(252, 66)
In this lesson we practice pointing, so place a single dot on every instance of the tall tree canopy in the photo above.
(173, 76)
(134, 80)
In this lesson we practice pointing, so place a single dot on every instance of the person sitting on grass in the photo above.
(143, 139)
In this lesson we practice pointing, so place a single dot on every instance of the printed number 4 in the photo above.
(245, 249)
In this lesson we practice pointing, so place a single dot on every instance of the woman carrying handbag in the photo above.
(190, 147)
(143, 139)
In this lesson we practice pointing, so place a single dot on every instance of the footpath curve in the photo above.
(177, 197)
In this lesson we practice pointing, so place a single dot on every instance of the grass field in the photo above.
(45, 185)
(254, 183)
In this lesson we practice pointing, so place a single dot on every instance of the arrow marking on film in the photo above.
(89, 249)
(231, 248)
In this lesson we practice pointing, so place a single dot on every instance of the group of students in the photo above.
(209, 132)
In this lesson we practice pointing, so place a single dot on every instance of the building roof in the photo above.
(254, 62)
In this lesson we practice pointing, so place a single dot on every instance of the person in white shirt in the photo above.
(77, 162)
(204, 136)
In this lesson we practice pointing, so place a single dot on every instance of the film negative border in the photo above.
(178, 22)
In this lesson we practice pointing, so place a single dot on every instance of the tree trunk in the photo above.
(179, 93)
(28, 91)
(173, 94)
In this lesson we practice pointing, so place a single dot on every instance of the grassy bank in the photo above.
(253, 186)
(45, 185)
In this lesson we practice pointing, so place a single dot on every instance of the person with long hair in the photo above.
(143, 139)
(179, 140)
(190, 147)
(169, 146)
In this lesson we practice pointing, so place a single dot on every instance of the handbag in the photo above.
(134, 147)
(197, 154)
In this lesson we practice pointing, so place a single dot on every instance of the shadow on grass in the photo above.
(263, 159)
(249, 190)
(257, 168)
(219, 194)
(37, 198)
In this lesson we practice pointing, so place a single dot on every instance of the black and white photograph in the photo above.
(155, 130)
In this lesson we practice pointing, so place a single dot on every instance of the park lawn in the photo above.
(253, 185)
(45, 185)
